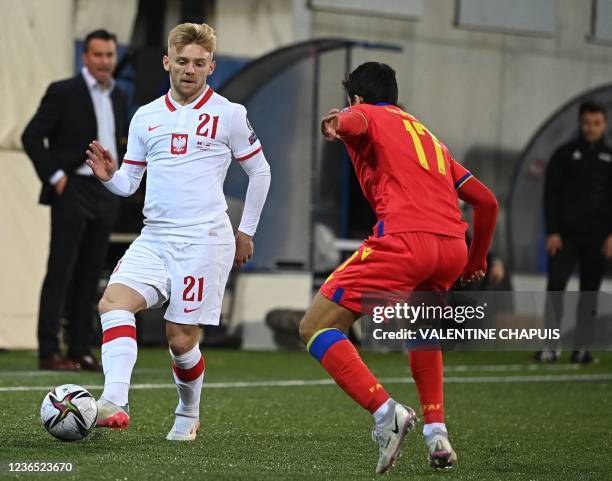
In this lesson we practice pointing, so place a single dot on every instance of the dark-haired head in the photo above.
(592, 107)
(99, 34)
(100, 55)
(593, 120)
(373, 82)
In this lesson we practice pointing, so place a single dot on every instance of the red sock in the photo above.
(427, 373)
(342, 361)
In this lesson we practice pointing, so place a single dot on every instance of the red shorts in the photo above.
(397, 263)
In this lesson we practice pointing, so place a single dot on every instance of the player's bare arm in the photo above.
(101, 161)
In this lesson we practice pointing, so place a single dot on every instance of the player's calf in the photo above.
(119, 348)
(323, 328)
(119, 352)
(188, 370)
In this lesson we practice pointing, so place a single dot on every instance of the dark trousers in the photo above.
(587, 254)
(81, 222)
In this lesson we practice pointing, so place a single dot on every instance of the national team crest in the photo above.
(178, 145)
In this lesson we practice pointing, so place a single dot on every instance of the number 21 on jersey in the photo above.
(203, 128)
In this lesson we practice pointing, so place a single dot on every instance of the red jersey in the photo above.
(408, 176)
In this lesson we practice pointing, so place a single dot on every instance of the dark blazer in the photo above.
(67, 119)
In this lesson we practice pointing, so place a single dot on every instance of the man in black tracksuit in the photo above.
(578, 211)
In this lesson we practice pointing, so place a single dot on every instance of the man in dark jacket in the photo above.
(72, 113)
(578, 210)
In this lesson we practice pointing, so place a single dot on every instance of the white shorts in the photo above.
(191, 276)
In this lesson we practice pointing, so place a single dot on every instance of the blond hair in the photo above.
(188, 33)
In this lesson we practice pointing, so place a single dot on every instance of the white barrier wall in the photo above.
(117, 16)
(24, 238)
(36, 47)
(251, 28)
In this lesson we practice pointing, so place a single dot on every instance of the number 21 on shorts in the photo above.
(190, 293)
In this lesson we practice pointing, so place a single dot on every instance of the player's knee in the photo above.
(109, 303)
(105, 305)
(306, 329)
(118, 297)
(182, 338)
(180, 344)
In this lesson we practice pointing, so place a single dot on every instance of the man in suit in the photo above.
(72, 113)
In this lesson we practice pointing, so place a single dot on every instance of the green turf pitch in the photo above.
(518, 429)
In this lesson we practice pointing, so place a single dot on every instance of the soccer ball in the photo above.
(69, 412)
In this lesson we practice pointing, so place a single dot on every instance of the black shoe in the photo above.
(87, 362)
(547, 355)
(582, 357)
(56, 362)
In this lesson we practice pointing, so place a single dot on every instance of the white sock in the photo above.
(381, 412)
(428, 428)
(188, 371)
(119, 352)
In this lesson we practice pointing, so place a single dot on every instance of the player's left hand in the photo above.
(607, 247)
(473, 273)
(244, 249)
(473, 277)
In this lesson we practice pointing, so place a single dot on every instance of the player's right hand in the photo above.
(244, 249)
(329, 125)
(101, 161)
(554, 244)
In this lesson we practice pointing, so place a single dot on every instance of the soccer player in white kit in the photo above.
(185, 140)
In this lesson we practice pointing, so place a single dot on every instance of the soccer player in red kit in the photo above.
(418, 244)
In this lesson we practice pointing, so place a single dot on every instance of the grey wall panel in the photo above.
(395, 8)
(536, 16)
(602, 20)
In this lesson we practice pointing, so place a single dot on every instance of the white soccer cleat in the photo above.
(390, 436)
(441, 453)
(112, 416)
(184, 429)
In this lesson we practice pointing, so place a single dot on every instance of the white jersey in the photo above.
(186, 150)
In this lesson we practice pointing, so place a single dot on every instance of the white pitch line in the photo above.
(324, 382)
(451, 368)
(512, 367)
